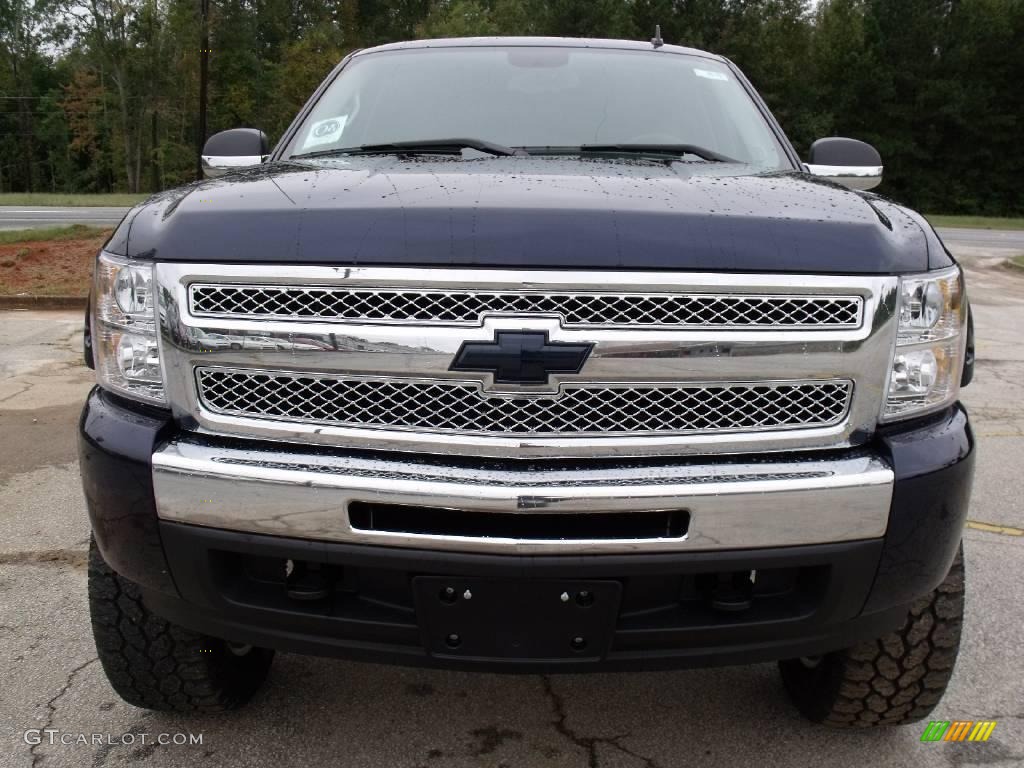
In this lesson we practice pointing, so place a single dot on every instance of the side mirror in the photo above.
(234, 149)
(849, 162)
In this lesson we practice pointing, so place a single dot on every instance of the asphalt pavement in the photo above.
(37, 217)
(983, 244)
(329, 712)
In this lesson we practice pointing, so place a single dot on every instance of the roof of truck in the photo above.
(558, 42)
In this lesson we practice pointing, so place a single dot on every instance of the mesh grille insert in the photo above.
(462, 408)
(468, 307)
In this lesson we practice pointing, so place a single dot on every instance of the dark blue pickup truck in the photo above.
(530, 355)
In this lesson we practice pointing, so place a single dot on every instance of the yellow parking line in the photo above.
(1002, 530)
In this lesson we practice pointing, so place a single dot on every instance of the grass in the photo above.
(976, 222)
(1017, 261)
(45, 199)
(73, 232)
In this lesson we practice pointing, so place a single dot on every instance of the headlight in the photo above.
(124, 329)
(925, 372)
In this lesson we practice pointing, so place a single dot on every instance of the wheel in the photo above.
(155, 664)
(893, 680)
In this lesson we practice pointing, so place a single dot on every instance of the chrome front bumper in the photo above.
(731, 505)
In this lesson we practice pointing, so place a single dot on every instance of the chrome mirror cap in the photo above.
(850, 176)
(218, 165)
(853, 163)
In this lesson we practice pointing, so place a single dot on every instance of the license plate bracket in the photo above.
(517, 620)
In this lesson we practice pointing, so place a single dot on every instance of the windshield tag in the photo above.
(710, 75)
(325, 131)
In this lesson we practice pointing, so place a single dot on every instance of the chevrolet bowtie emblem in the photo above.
(521, 357)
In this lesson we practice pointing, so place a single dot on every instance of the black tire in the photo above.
(155, 664)
(894, 680)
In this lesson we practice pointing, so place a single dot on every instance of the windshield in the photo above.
(540, 99)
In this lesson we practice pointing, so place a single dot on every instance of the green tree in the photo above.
(102, 95)
(24, 69)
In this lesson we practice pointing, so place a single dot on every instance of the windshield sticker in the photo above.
(710, 75)
(325, 131)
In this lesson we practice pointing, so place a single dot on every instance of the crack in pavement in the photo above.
(16, 394)
(997, 370)
(588, 744)
(101, 755)
(51, 705)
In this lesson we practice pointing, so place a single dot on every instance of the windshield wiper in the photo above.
(427, 145)
(675, 150)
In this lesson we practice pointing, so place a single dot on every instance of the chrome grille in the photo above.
(462, 408)
(468, 307)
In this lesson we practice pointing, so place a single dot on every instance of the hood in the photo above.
(529, 212)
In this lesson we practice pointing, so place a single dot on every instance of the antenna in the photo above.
(656, 41)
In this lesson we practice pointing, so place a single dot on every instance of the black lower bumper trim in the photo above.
(668, 608)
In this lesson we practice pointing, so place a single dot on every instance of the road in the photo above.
(330, 712)
(981, 242)
(34, 217)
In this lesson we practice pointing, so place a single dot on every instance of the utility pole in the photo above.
(204, 73)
